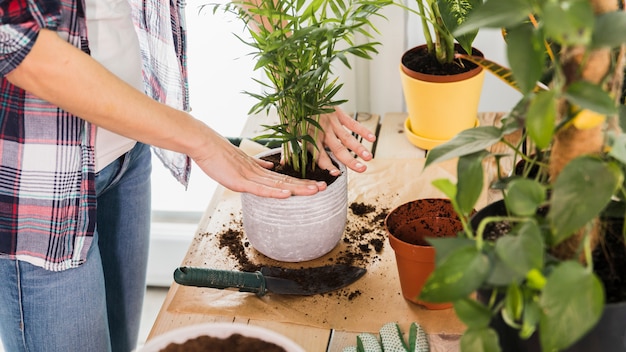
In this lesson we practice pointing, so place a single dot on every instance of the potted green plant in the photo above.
(296, 43)
(441, 91)
(544, 274)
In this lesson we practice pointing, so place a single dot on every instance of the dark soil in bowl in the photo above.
(417, 232)
(233, 343)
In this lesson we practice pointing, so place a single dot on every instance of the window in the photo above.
(219, 70)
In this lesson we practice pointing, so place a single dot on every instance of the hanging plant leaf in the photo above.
(526, 55)
(541, 118)
(464, 143)
(568, 22)
(524, 196)
(495, 14)
(567, 316)
(446, 245)
(513, 305)
(524, 250)
(480, 340)
(583, 188)
(459, 274)
(609, 30)
(473, 313)
(618, 147)
(591, 96)
(503, 73)
(470, 180)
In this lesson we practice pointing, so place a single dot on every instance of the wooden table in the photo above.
(391, 143)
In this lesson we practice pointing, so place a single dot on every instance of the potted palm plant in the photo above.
(544, 263)
(441, 91)
(296, 43)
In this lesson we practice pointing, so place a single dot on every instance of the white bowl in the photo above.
(220, 330)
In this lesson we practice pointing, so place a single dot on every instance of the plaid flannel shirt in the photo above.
(47, 177)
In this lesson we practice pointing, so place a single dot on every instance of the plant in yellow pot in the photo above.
(441, 91)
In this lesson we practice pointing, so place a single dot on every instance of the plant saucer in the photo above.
(423, 142)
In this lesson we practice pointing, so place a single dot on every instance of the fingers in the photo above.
(284, 187)
(239, 172)
(342, 154)
(275, 185)
(354, 126)
(339, 139)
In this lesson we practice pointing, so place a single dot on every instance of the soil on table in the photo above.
(420, 60)
(233, 343)
(364, 239)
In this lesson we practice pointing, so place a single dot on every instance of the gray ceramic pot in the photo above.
(298, 228)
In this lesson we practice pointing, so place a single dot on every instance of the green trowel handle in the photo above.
(221, 279)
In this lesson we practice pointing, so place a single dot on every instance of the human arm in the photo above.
(96, 95)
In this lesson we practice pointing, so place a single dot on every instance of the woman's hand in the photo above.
(337, 136)
(239, 172)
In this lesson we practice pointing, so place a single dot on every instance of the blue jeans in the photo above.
(97, 306)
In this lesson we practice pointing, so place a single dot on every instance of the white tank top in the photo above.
(113, 42)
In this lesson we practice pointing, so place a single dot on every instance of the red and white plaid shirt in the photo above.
(47, 179)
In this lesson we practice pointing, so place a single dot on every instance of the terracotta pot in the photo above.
(298, 228)
(408, 227)
(440, 107)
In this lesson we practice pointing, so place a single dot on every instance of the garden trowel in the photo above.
(304, 281)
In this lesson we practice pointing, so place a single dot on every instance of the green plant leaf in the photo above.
(591, 96)
(609, 30)
(582, 189)
(446, 186)
(568, 22)
(618, 147)
(446, 245)
(503, 73)
(459, 274)
(470, 177)
(501, 274)
(473, 313)
(495, 14)
(572, 302)
(513, 305)
(480, 340)
(524, 250)
(526, 55)
(453, 14)
(531, 316)
(622, 116)
(541, 118)
(524, 196)
(464, 143)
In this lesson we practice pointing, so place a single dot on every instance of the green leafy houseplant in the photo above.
(541, 271)
(436, 112)
(296, 42)
(439, 20)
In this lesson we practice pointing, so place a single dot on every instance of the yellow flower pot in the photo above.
(440, 107)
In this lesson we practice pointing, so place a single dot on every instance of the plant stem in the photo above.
(425, 27)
